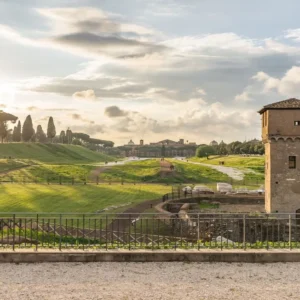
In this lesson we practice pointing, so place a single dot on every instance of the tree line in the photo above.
(27, 133)
(243, 148)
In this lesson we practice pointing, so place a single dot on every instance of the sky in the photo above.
(136, 69)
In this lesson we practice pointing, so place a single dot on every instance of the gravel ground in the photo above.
(150, 281)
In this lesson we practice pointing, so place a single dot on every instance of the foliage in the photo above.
(28, 130)
(3, 130)
(40, 135)
(69, 136)
(51, 131)
(17, 135)
(205, 151)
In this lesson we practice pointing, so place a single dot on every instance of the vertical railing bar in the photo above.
(198, 232)
(129, 237)
(83, 228)
(37, 232)
(290, 231)
(60, 231)
(106, 235)
(14, 232)
(244, 232)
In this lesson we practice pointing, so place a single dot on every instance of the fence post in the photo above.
(72, 180)
(60, 180)
(290, 232)
(244, 232)
(97, 180)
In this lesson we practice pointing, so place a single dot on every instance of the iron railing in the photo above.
(148, 231)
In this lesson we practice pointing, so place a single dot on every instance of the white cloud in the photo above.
(87, 95)
(244, 97)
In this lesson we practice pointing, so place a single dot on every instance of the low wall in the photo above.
(169, 256)
(223, 199)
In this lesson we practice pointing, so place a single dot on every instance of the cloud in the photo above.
(3, 106)
(288, 85)
(87, 95)
(243, 97)
(32, 108)
(114, 112)
(79, 117)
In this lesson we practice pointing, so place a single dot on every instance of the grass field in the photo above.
(186, 172)
(252, 162)
(140, 171)
(51, 153)
(75, 199)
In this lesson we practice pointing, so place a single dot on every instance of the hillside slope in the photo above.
(51, 153)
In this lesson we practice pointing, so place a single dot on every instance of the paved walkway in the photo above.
(143, 281)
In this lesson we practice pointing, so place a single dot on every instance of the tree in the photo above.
(163, 151)
(69, 136)
(14, 134)
(18, 134)
(205, 151)
(51, 131)
(3, 130)
(62, 137)
(40, 135)
(28, 130)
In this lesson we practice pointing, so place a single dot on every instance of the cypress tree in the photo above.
(3, 130)
(62, 137)
(51, 131)
(28, 130)
(14, 135)
(40, 135)
(18, 132)
(69, 136)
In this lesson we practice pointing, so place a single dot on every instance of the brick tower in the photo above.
(281, 136)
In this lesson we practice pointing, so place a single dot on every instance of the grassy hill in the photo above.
(255, 163)
(75, 199)
(51, 153)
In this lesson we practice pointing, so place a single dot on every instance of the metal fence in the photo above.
(148, 231)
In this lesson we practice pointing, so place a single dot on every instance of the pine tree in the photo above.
(51, 131)
(18, 132)
(40, 135)
(28, 130)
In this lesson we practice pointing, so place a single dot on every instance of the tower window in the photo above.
(297, 123)
(292, 162)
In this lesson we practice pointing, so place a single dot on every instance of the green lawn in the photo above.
(51, 153)
(74, 199)
(51, 173)
(237, 161)
(140, 171)
(10, 164)
(186, 172)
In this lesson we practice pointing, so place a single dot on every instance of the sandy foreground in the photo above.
(150, 281)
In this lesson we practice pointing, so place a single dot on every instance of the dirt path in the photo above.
(14, 169)
(166, 169)
(123, 220)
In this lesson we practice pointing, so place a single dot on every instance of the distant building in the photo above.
(168, 142)
(213, 143)
(172, 148)
(130, 143)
